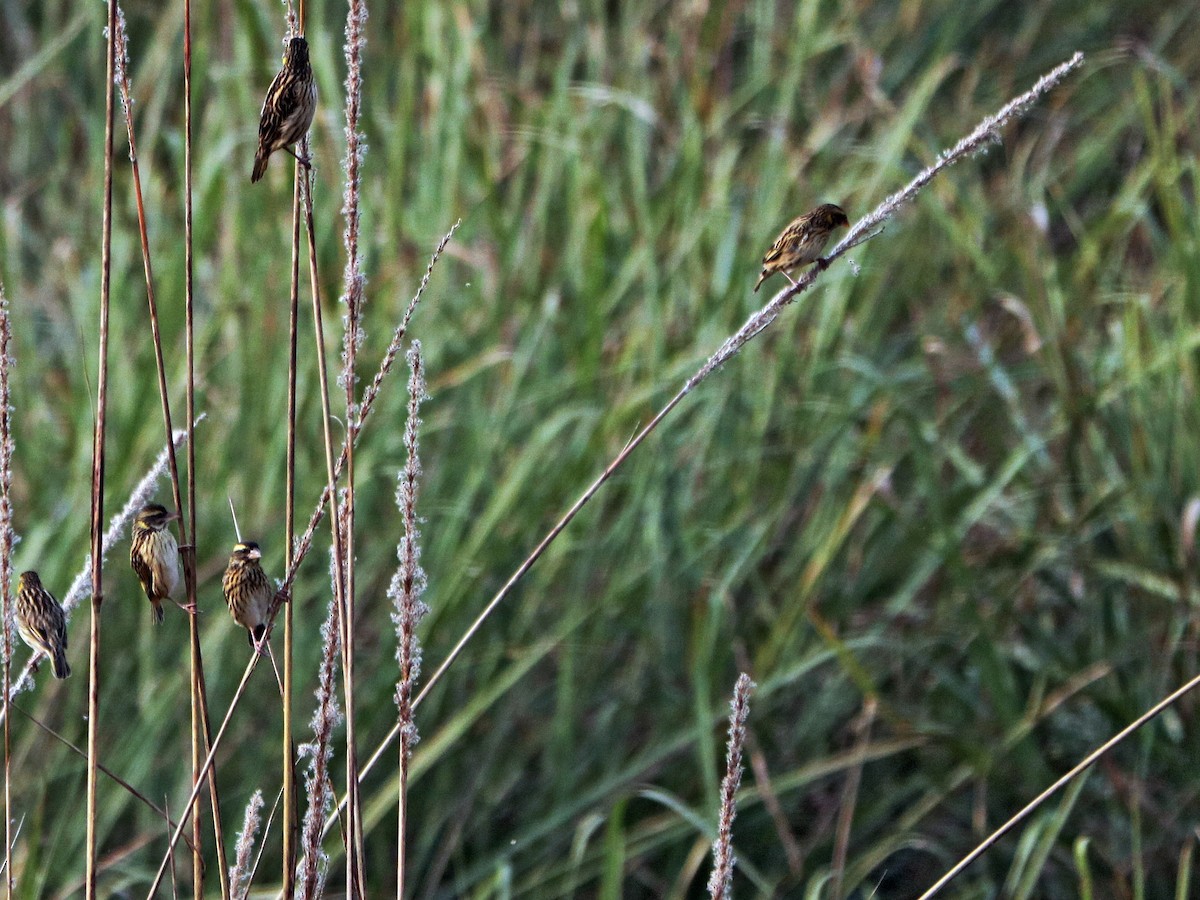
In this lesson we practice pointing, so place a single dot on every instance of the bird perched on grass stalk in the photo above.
(41, 623)
(287, 111)
(248, 591)
(802, 241)
(154, 555)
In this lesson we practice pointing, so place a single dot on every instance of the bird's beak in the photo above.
(171, 517)
(256, 554)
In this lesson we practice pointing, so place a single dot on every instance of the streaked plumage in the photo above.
(41, 623)
(154, 555)
(802, 241)
(287, 111)
(248, 591)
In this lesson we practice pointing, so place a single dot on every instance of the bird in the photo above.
(41, 623)
(287, 111)
(802, 241)
(248, 591)
(154, 555)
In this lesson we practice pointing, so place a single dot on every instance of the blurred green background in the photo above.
(947, 489)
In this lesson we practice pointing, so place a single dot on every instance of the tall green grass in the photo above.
(952, 482)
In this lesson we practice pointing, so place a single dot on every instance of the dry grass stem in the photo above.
(985, 134)
(97, 518)
(406, 589)
(289, 761)
(1062, 782)
(338, 527)
(8, 540)
(198, 693)
(720, 883)
(310, 875)
(353, 297)
(239, 875)
(754, 326)
(304, 542)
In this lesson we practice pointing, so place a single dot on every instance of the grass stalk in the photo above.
(1059, 784)
(97, 527)
(353, 298)
(288, 791)
(199, 719)
(6, 549)
(289, 761)
(354, 884)
(407, 587)
(186, 522)
(312, 868)
(720, 883)
(861, 231)
(239, 876)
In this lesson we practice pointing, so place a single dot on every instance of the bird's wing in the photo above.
(268, 123)
(145, 576)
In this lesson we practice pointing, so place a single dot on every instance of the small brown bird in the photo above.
(154, 555)
(248, 591)
(288, 109)
(41, 623)
(802, 241)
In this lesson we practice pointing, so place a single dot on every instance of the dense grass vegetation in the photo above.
(949, 486)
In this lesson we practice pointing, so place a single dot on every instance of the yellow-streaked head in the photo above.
(245, 551)
(29, 580)
(153, 517)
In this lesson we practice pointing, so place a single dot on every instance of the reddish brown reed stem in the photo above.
(98, 458)
(289, 761)
(199, 701)
(201, 728)
(6, 548)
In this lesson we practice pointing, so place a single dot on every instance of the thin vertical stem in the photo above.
(164, 398)
(339, 556)
(200, 727)
(6, 546)
(98, 459)
(189, 550)
(408, 584)
(352, 296)
(289, 765)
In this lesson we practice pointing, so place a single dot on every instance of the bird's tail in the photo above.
(260, 166)
(58, 663)
(156, 611)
